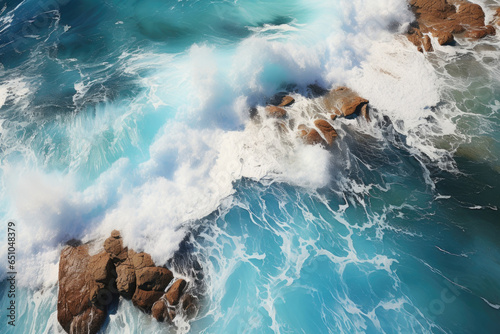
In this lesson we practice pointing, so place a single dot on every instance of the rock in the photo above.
(287, 101)
(101, 267)
(444, 18)
(188, 304)
(480, 33)
(90, 321)
(114, 247)
(159, 311)
(153, 278)
(88, 284)
(173, 294)
(150, 282)
(282, 126)
(443, 37)
(254, 113)
(344, 102)
(352, 105)
(141, 260)
(328, 131)
(426, 42)
(125, 279)
(313, 138)
(302, 133)
(145, 300)
(365, 113)
(75, 311)
(276, 112)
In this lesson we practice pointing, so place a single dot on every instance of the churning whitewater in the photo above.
(134, 115)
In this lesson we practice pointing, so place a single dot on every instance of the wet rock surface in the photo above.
(88, 284)
(327, 107)
(445, 20)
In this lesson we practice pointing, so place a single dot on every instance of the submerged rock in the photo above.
(313, 137)
(189, 306)
(327, 130)
(160, 310)
(276, 112)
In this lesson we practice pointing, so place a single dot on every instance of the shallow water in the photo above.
(134, 115)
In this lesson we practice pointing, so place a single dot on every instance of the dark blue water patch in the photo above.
(445, 257)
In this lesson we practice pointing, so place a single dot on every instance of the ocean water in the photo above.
(134, 115)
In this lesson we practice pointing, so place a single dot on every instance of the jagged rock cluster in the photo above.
(340, 102)
(445, 19)
(88, 284)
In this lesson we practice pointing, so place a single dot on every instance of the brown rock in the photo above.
(328, 131)
(445, 18)
(101, 267)
(153, 278)
(125, 279)
(145, 300)
(476, 34)
(287, 101)
(480, 33)
(275, 112)
(470, 14)
(302, 133)
(365, 113)
(90, 321)
(174, 293)
(88, 284)
(114, 247)
(352, 104)
(141, 260)
(313, 138)
(75, 312)
(426, 42)
(73, 298)
(159, 311)
(343, 101)
(443, 37)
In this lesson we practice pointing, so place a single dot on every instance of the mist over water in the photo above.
(134, 116)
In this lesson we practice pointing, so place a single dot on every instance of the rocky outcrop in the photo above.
(276, 112)
(165, 308)
(287, 101)
(174, 294)
(344, 102)
(445, 19)
(329, 133)
(151, 284)
(326, 107)
(89, 283)
(82, 304)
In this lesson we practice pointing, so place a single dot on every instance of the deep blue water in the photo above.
(133, 115)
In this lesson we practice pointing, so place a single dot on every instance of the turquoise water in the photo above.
(134, 115)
